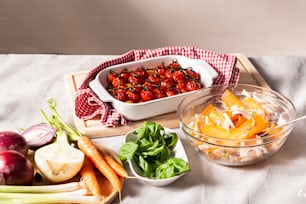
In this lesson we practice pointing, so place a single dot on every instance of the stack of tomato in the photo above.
(145, 84)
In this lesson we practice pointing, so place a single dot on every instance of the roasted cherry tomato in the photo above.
(133, 95)
(175, 65)
(181, 85)
(155, 79)
(161, 71)
(125, 74)
(137, 87)
(134, 79)
(178, 75)
(166, 83)
(112, 75)
(171, 92)
(149, 85)
(141, 72)
(117, 82)
(146, 95)
(121, 95)
(169, 73)
(193, 74)
(159, 93)
(192, 85)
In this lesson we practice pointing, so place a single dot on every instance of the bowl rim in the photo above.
(253, 141)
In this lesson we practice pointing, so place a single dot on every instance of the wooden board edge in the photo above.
(252, 70)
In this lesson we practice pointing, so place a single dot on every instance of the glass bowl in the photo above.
(233, 151)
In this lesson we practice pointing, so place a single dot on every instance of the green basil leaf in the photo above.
(142, 132)
(127, 151)
(154, 151)
(155, 130)
(144, 144)
(145, 166)
(171, 140)
(172, 167)
(153, 146)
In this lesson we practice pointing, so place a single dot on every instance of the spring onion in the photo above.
(46, 198)
(55, 188)
(72, 192)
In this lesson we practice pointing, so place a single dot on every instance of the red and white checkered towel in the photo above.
(88, 105)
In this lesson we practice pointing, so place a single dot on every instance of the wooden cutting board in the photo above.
(93, 128)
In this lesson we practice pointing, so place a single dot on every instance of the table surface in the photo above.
(27, 81)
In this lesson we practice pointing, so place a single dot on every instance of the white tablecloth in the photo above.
(27, 81)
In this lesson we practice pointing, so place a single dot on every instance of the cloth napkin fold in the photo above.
(88, 105)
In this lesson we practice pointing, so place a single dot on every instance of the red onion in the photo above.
(15, 168)
(39, 135)
(13, 141)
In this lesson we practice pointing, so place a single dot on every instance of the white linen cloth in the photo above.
(27, 81)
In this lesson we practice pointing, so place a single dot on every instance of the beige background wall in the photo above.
(253, 27)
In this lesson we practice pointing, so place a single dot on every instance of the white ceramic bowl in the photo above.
(139, 111)
(179, 152)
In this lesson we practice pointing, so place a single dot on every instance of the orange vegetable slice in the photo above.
(230, 99)
(249, 128)
(215, 131)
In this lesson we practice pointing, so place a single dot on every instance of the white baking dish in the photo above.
(143, 110)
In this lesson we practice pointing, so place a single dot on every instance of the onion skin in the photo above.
(15, 168)
(39, 135)
(13, 141)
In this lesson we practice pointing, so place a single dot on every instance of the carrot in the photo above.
(90, 150)
(89, 177)
(118, 168)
